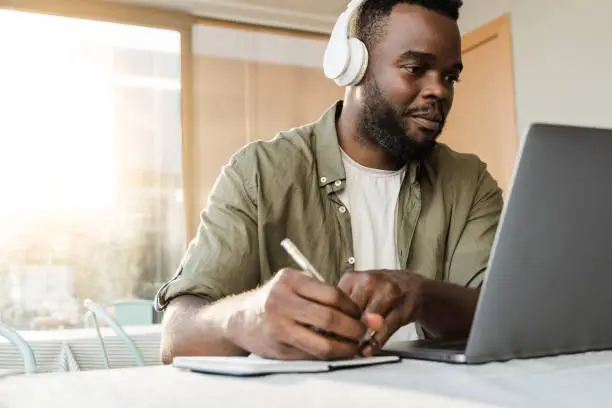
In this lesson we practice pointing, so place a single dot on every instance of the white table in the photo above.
(79, 349)
(568, 381)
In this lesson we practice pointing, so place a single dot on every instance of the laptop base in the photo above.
(430, 350)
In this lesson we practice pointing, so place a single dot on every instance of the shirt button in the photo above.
(342, 209)
(338, 183)
(323, 180)
(351, 260)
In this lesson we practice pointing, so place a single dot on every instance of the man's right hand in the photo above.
(276, 319)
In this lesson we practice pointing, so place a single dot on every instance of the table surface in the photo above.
(566, 381)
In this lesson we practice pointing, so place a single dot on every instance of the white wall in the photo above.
(476, 13)
(261, 47)
(562, 58)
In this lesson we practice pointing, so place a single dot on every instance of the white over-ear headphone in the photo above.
(346, 59)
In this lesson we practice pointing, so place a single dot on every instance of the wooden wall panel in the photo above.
(220, 120)
(237, 102)
(288, 96)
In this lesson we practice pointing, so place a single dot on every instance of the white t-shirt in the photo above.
(371, 196)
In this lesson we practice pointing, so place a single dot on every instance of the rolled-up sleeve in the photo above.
(223, 258)
(471, 255)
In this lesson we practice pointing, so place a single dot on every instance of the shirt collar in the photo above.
(329, 156)
(327, 148)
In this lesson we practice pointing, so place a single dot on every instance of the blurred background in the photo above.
(116, 117)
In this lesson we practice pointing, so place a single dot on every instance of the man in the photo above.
(400, 227)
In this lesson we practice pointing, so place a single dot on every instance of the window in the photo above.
(90, 165)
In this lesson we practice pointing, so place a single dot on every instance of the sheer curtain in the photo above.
(249, 86)
(91, 202)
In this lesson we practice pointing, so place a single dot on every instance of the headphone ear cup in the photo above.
(357, 64)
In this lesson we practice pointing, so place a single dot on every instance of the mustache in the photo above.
(431, 111)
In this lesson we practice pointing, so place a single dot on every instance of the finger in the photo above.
(392, 323)
(384, 331)
(286, 351)
(347, 281)
(361, 294)
(383, 299)
(275, 335)
(374, 321)
(323, 317)
(323, 348)
(325, 294)
(358, 286)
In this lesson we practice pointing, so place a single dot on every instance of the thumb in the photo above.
(374, 321)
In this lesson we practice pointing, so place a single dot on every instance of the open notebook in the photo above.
(254, 366)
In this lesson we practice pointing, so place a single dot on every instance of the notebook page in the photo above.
(248, 365)
(254, 365)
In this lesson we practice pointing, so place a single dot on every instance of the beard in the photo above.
(388, 129)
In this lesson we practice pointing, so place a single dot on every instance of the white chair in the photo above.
(93, 311)
(29, 360)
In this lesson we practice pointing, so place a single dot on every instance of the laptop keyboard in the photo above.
(455, 346)
(443, 344)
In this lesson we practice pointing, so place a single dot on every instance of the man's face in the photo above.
(408, 90)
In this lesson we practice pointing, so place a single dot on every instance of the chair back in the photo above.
(29, 360)
(94, 311)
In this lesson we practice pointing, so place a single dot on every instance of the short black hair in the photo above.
(371, 20)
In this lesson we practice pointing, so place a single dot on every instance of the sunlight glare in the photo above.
(57, 110)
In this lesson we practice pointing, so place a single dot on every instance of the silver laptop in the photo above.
(548, 288)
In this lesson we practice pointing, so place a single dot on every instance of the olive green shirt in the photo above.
(447, 214)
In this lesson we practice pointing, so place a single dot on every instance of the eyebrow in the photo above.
(425, 56)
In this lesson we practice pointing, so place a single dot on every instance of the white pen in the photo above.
(300, 259)
(303, 262)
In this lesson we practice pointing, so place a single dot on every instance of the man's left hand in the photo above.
(394, 295)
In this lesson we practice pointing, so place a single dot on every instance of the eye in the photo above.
(453, 79)
(412, 69)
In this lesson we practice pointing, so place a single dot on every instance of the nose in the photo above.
(436, 87)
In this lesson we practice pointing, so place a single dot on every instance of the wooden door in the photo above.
(483, 120)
